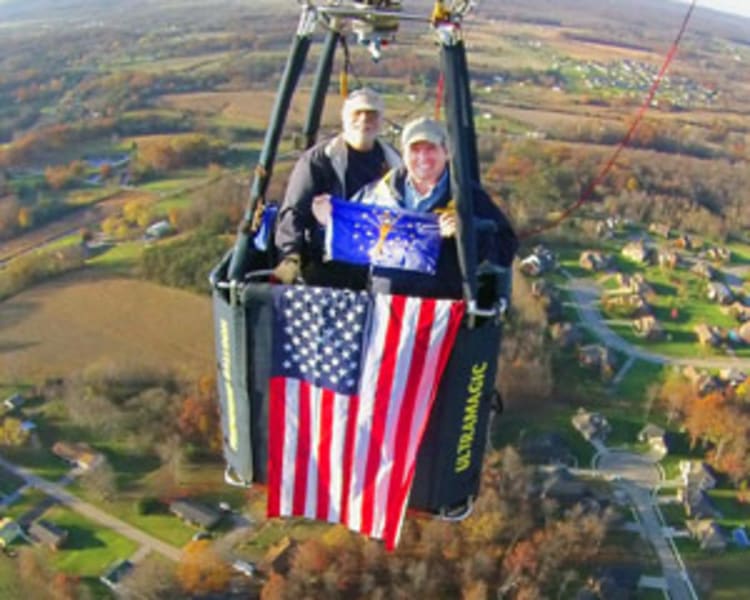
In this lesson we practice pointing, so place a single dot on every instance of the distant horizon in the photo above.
(736, 7)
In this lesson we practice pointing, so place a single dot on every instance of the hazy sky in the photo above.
(739, 7)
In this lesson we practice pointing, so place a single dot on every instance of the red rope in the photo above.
(439, 95)
(589, 190)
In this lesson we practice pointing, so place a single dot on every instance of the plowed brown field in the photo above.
(60, 327)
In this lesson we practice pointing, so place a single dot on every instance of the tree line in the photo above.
(718, 421)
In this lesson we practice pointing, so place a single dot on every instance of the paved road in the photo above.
(586, 298)
(92, 512)
(639, 476)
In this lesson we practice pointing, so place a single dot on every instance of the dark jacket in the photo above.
(496, 241)
(320, 170)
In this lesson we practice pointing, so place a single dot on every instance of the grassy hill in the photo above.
(64, 325)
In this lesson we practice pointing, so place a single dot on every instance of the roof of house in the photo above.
(195, 512)
(698, 504)
(78, 452)
(47, 532)
(9, 531)
(590, 424)
(698, 474)
(708, 533)
(14, 401)
(650, 431)
(115, 573)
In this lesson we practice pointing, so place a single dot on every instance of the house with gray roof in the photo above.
(591, 425)
(195, 513)
(637, 251)
(718, 292)
(14, 402)
(10, 531)
(708, 534)
(655, 437)
(49, 534)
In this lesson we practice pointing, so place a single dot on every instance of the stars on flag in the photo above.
(321, 335)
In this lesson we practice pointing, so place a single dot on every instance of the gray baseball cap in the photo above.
(364, 99)
(424, 130)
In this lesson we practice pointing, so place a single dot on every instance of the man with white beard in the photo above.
(341, 167)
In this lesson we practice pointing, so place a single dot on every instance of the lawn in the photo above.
(515, 424)
(119, 259)
(64, 242)
(674, 514)
(27, 501)
(734, 513)
(39, 461)
(178, 201)
(721, 576)
(139, 476)
(177, 183)
(9, 483)
(89, 548)
(637, 381)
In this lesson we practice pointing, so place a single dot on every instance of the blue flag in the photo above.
(262, 237)
(367, 234)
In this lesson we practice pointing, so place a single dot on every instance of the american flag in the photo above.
(352, 384)
(385, 237)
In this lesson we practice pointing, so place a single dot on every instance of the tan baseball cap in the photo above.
(364, 99)
(424, 130)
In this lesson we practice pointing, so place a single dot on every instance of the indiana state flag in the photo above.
(366, 234)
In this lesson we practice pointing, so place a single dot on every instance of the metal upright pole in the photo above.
(264, 168)
(463, 155)
(320, 88)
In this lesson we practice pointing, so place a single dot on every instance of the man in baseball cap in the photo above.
(424, 130)
(340, 166)
(423, 184)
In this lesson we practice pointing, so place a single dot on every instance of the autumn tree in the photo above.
(201, 571)
(198, 422)
(675, 394)
(25, 217)
(60, 176)
(101, 480)
(152, 579)
(137, 212)
(720, 420)
(12, 432)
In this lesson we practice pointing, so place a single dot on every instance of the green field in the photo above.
(119, 259)
(89, 548)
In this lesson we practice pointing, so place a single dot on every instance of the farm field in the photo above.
(71, 223)
(250, 107)
(62, 326)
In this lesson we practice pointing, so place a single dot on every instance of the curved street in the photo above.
(638, 475)
(586, 295)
